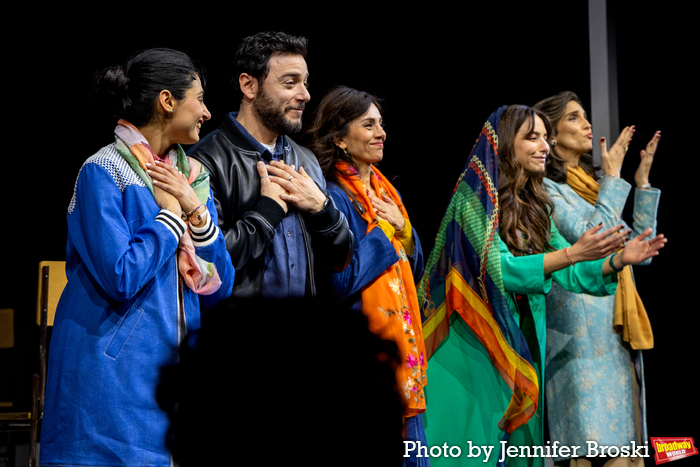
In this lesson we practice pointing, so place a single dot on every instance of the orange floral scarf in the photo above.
(390, 301)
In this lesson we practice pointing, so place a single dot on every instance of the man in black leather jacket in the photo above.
(283, 232)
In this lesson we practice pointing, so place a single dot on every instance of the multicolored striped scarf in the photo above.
(199, 275)
(390, 301)
(463, 275)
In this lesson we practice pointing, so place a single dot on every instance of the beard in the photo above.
(273, 116)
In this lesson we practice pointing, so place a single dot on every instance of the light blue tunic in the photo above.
(589, 387)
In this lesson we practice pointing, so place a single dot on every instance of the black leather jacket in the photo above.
(248, 220)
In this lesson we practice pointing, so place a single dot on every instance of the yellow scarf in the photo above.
(630, 317)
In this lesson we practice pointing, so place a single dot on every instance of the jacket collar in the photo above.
(240, 137)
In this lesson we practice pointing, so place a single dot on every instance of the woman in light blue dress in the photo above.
(594, 386)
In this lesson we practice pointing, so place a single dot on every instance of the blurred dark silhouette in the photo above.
(268, 380)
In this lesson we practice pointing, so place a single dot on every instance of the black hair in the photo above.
(130, 91)
(254, 53)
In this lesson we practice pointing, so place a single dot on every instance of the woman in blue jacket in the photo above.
(143, 248)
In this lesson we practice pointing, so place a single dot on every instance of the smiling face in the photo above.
(188, 115)
(531, 148)
(365, 139)
(573, 136)
(280, 101)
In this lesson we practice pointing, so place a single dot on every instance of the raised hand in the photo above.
(611, 160)
(641, 176)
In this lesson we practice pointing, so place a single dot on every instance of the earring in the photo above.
(553, 143)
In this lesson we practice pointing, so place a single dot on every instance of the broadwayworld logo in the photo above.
(671, 449)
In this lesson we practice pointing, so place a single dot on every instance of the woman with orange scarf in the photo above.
(594, 343)
(347, 136)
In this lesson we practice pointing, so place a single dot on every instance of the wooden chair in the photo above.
(52, 280)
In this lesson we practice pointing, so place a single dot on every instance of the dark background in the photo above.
(440, 70)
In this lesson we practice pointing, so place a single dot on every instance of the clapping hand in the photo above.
(639, 250)
(593, 244)
(641, 177)
(611, 160)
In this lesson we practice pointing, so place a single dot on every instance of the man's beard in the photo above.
(273, 117)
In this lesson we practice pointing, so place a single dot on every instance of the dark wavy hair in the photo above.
(254, 53)
(554, 107)
(523, 204)
(130, 91)
(331, 120)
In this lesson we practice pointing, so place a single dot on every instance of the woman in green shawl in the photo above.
(486, 360)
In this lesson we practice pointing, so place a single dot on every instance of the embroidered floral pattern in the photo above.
(415, 359)
(390, 300)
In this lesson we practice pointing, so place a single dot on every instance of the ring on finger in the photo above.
(264, 176)
(290, 178)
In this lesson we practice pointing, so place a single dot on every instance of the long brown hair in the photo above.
(524, 208)
(554, 107)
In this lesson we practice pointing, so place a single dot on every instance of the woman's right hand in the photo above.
(593, 244)
(611, 160)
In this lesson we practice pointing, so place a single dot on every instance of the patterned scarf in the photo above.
(463, 274)
(199, 275)
(630, 317)
(390, 300)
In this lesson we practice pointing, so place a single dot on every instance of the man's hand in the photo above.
(299, 188)
(269, 189)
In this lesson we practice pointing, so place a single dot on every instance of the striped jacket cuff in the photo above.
(176, 225)
(204, 235)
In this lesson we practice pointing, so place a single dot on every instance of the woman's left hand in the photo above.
(387, 210)
(638, 250)
(171, 180)
(641, 176)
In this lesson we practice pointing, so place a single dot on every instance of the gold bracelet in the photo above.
(199, 217)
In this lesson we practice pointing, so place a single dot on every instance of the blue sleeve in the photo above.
(372, 255)
(120, 259)
(573, 215)
(417, 259)
(210, 245)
